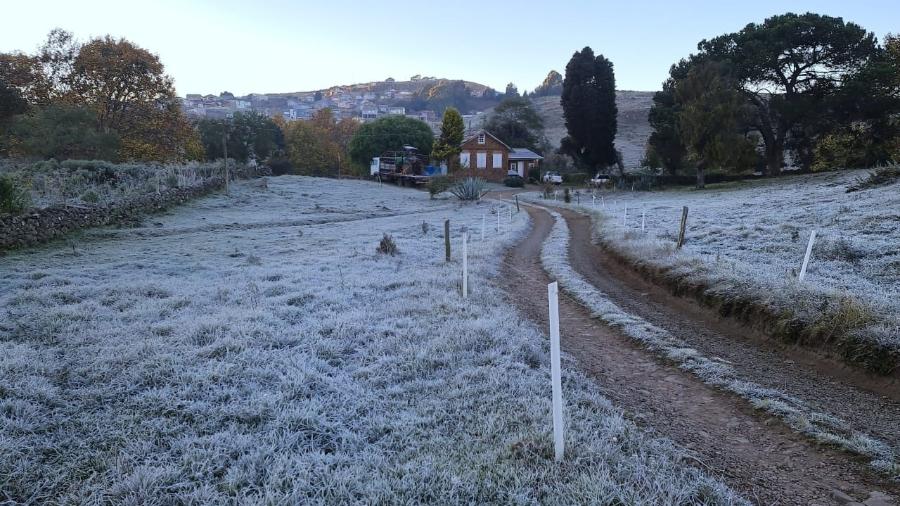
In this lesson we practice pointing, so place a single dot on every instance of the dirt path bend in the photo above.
(760, 457)
(870, 404)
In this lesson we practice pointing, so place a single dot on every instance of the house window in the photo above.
(497, 162)
(482, 160)
(464, 159)
(480, 138)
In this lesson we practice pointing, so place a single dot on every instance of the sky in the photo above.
(285, 46)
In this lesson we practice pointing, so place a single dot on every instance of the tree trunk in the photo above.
(774, 156)
(701, 175)
(772, 133)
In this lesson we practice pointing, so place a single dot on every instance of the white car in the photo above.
(552, 177)
(600, 180)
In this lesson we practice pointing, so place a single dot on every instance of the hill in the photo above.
(412, 86)
(634, 128)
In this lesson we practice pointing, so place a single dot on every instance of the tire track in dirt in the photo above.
(824, 384)
(760, 457)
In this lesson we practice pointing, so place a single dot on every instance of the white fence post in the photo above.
(483, 224)
(555, 373)
(465, 262)
(594, 201)
(498, 220)
(809, 247)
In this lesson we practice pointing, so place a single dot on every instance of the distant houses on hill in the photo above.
(345, 102)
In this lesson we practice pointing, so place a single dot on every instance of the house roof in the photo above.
(483, 131)
(523, 154)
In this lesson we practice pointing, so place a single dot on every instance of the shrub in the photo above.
(438, 185)
(881, 176)
(567, 196)
(575, 178)
(469, 188)
(12, 198)
(548, 190)
(280, 165)
(90, 197)
(514, 182)
(387, 246)
(45, 165)
(534, 175)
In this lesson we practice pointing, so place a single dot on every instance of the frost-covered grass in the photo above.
(746, 241)
(293, 364)
(820, 426)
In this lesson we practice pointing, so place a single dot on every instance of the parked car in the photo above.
(552, 177)
(600, 180)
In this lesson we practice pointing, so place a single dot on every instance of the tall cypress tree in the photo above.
(589, 107)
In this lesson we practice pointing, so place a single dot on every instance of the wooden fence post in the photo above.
(684, 215)
(447, 239)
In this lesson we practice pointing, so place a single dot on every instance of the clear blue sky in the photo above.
(282, 46)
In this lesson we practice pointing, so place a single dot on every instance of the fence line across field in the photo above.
(681, 236)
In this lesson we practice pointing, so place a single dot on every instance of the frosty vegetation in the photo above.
(245, 358)
(90, 182)
(747, 241)
(820, 426)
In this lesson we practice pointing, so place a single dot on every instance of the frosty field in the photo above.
(254, 348)
(748, 240)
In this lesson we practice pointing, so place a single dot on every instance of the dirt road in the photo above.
(757, 455)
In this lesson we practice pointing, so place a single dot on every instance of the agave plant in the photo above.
(470, 188)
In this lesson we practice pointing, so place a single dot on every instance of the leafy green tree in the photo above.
(249, 135)
(447, 146)
(664, 147)
(307, 148)
(11, 102)
(589, 107)
(319, 147)
(786, 67)
(515, 122)
(63, 132)
(861, 128)
(709, 117)
(511, 91)
(389, 133)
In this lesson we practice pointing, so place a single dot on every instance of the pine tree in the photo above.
(452, 130)
(589, 107)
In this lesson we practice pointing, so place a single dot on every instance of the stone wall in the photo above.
(37, 226)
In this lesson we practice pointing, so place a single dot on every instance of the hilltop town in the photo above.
(422, 98)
